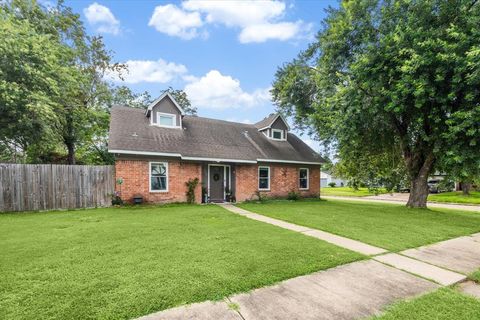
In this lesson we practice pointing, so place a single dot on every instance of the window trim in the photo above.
(150, 176)
(173, 116)
(308, 178)
(258, 182)
(282, 134)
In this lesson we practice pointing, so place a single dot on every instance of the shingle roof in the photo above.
(200, 137)
(265, 122)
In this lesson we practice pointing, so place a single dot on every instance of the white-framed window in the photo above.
(166, 119)
(263, 178)
(158, 176)
(303, 175)
(277, 134)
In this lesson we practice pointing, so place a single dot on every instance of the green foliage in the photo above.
(55, 96)
(191, 186)
(261, 197)
(391, 76)
(122, 95)
(116, 200)
(293, 195)
(31, 80)
(182, 99)
(332, 184)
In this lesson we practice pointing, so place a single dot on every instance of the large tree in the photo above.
(391, 75)
(84, 93)
(32, 75)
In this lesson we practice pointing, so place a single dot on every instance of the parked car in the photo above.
(434, 186)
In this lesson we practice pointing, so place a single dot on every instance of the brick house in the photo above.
(157, 150)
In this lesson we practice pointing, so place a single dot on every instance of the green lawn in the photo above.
(475, 276)
(348, 192)
(443, 304)
(389, 226)
(456, 197)
(123, 263)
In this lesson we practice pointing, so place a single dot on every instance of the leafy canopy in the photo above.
(391, 75)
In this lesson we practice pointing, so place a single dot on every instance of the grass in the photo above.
(348, 192)
(389, 226)
(455, 197)
(475, 276)
(443, 304)
(123, 263)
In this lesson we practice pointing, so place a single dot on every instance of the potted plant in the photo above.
(228, 194)
(204, 195)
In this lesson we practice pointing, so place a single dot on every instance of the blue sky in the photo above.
(224, 54)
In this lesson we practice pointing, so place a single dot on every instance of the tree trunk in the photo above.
(418, 193)
(419, 169)
(466, 186)
(69, 137)
(71, 152)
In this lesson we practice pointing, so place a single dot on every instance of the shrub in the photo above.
(293, 195)
(332, 184)
(191, 186)
(116, 200)
(261, 197)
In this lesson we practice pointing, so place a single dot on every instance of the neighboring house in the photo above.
(326, 178)
(159, 149)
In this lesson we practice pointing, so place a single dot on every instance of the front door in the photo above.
(216, 183)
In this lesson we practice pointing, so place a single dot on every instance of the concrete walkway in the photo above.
(393, 200)
(343, 242)
(352, 291)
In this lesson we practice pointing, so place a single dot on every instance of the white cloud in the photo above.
(102, 18)
(174, 21)
(159, 71)
(267, 31)
(258, 21)
(216, 91)
(237, 13)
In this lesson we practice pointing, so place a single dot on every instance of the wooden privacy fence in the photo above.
(26, 187)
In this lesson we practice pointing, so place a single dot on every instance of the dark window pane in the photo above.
(303, 183)
(263, 183)
(303, 173)
(158, 179)
(263, 172)
(277, 134)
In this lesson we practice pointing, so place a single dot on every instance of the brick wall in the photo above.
(135, 175)
(283, 179)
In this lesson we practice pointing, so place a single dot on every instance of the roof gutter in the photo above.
(178, 155)
(289, 161)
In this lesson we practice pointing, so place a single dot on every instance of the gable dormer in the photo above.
(165, 112)
(274, 127)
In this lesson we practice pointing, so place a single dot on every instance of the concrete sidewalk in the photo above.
(352, 291)
(389, 199)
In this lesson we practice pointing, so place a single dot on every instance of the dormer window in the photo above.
(166, 120)
(274, 127)
(277, 134)
(165, 112)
